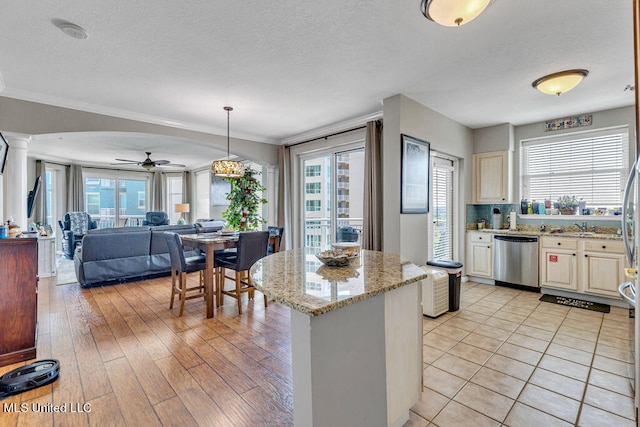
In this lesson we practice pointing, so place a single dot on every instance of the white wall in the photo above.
(407, 234)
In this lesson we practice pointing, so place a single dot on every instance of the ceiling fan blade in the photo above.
(161, 162)
(125, 163)
(175, 165)
(127, 160)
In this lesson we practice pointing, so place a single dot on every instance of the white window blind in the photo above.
(442, 208)
(592, 166)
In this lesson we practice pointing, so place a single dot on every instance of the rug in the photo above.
(66, 272)
(587, 305)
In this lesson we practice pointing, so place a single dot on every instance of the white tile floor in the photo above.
(506, 358)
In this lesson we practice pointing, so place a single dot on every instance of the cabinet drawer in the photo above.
(480, 238)
(559, 242)
(608, 246)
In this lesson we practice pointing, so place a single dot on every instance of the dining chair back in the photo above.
(180, 266)
(251, 247)
(275, 231)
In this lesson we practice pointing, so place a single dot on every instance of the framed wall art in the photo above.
(414, 188)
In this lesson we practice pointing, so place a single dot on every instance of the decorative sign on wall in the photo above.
(568, 123)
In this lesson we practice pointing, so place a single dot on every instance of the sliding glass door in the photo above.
(115, 201)
(333, 197)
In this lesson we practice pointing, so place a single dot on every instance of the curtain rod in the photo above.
(327, 136)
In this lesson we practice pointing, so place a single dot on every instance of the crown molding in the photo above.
(122, 114)
(333, 128)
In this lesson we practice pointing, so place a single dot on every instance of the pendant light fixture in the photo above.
(228, 168)
(453, 13)
(557, 83)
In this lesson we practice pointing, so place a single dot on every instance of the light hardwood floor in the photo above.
(135, 363)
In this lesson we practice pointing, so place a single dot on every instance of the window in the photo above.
(313, 241)
(142, 200)
(442, 200)
(92, 203)
(312, 205)
(312, 170)
(589, 165)
(313, 187)
(173, 196)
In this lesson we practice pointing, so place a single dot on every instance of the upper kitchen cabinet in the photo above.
(493, 164)
(492, 177)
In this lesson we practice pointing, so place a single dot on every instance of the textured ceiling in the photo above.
(291, 66)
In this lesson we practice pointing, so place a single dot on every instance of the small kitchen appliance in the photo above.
(496, 219)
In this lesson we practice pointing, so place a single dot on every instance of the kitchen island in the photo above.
(356, 335)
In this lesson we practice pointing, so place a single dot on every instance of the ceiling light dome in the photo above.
(557, 83)
(453, 13)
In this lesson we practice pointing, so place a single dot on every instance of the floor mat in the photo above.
(588, 305)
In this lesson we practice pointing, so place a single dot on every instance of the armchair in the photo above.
(74, 226)
(156, 218)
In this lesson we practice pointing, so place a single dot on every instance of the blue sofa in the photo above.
(115, 255)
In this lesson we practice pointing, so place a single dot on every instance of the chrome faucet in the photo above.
(583, 227)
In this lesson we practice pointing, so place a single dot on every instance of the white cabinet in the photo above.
(479, 254)
(492, 177)
(602, 266)
(46, 256)
(559, 263)
(582, 265)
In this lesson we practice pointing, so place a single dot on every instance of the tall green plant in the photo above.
(245, 199)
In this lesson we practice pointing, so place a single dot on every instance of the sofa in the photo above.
(120, 254)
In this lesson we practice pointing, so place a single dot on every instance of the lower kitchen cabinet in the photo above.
(479, 254)
(603, 265)
(558, 268)
(582, 265)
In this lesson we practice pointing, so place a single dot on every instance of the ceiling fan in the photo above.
(148, 164)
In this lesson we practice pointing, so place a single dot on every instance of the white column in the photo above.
(15, 181)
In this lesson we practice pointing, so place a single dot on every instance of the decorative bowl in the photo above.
(335, 258)
(349, 248)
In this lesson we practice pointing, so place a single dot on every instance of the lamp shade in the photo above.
(453, 13)
(557, 83)
(228, 168)
(182, 207)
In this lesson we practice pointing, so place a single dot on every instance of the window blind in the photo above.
(592, 166)
(442, 203)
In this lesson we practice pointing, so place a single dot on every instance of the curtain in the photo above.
(75, 189)
(372, 227)
(40, 212)
(186, 187)
(284, 195)
(157, 192)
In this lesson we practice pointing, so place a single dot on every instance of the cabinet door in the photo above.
(602, 272)
(481, 260)
(491, 177)
(558, 269)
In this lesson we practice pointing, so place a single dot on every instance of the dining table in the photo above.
(209, 243)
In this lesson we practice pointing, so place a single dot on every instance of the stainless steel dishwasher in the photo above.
(515, 262)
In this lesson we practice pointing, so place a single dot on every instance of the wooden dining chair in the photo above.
(180, 266)
(252, 246)
(275, 231)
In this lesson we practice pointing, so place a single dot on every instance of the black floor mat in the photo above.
(572, 302)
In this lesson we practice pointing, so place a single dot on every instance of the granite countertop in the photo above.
(297, 279)
(568, 234)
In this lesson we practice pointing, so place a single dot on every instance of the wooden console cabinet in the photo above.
(18, 299)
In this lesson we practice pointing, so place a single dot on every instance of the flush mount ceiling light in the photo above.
(72, 30)
(557, 83)
(453, 13)
(228, 168)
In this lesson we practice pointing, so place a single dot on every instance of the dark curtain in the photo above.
(372, 229)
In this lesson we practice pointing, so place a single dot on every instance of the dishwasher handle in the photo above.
(519, 239)
(632, 291)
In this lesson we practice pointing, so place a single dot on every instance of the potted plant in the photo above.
(243, 213)
(568, 205)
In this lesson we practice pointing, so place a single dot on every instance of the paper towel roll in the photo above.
(512, 221)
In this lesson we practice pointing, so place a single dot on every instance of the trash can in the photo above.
(454, 269)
